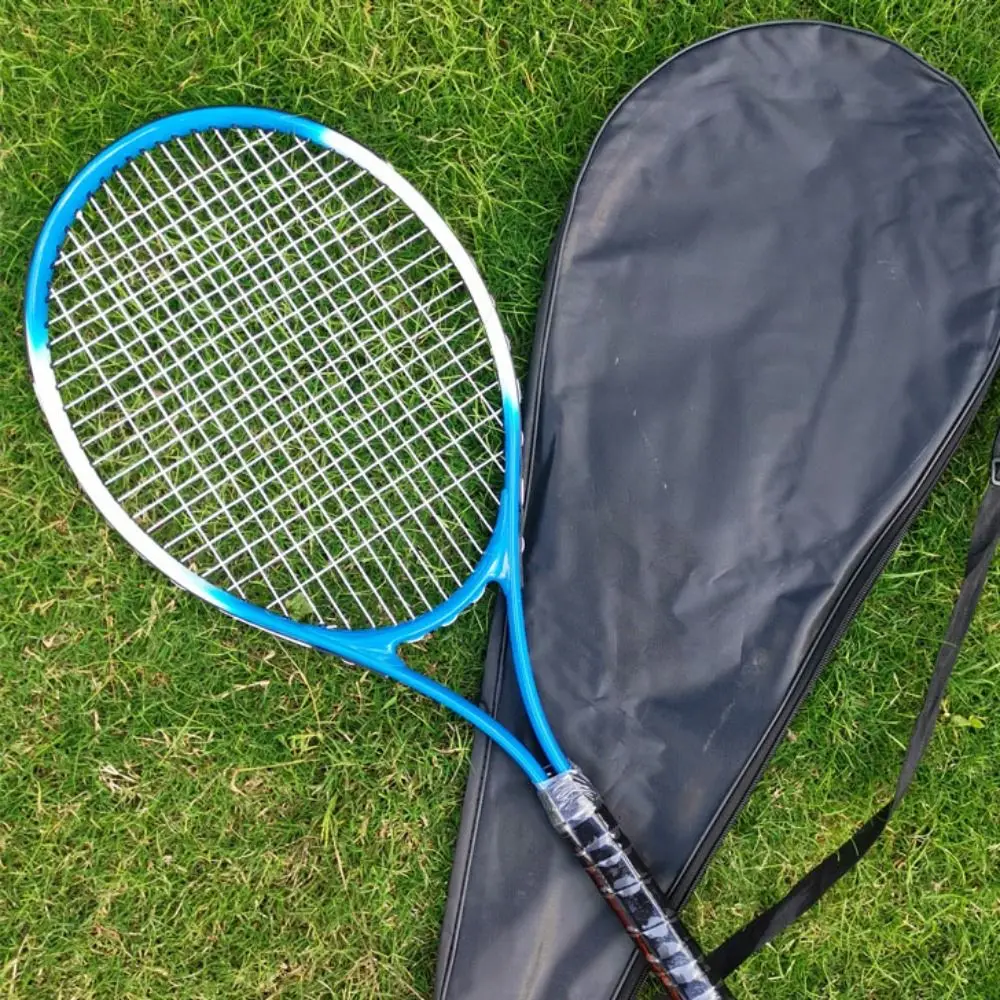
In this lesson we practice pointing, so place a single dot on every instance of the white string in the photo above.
(248, 549)
(255, 194)
(264, 358)
(228, 283)
(443, 342)
(90, 415)
(241, 555)
(231, 281)
(282, 372)
(262, 483)
(142, 312)
(374, 495)
(224, 562)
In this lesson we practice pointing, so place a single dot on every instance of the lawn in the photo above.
(189, 808)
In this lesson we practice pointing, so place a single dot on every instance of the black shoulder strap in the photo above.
(767, 925)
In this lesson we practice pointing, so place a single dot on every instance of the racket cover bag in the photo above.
(770, 314)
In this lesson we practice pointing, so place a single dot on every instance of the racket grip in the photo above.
(576, 810)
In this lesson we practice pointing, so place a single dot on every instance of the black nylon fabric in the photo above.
(770, 314)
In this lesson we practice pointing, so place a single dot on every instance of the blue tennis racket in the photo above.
(273, 368)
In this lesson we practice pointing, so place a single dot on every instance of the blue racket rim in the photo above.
(374, 648)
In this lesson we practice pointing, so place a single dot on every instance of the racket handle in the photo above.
(575, 809)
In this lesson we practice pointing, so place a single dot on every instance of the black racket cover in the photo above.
(770, 314)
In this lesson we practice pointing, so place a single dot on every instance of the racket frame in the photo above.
(570, 800)
(373, 648)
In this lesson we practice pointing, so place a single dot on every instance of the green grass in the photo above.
(191, 809)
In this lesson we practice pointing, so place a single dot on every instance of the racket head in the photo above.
(499, 558)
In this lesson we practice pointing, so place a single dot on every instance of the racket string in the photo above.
(143, 512)
(230, 306)
(308, 510)
(415, 512)
(268, 534)
(233, 280)
(296, 390)
(367, 533)
(142, 485)
(320, 323)
(180, 439)
(209, 542)
(187, 215)
(369, 416)
(420, 305)
(141, 377)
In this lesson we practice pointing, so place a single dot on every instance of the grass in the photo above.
(191, 809)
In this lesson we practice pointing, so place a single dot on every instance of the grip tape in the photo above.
(576, 810)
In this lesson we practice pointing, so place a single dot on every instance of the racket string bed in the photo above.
(228, 286)
(258, 487)
(230, 474)
(351, 454)
(432, 326)
(259, 568)
(263, 230)
(275, 375)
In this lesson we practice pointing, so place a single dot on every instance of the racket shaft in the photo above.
(577, 812)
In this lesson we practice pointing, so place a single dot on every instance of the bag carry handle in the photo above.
(766, 926)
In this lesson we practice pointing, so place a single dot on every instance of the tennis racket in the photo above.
(273, 368)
